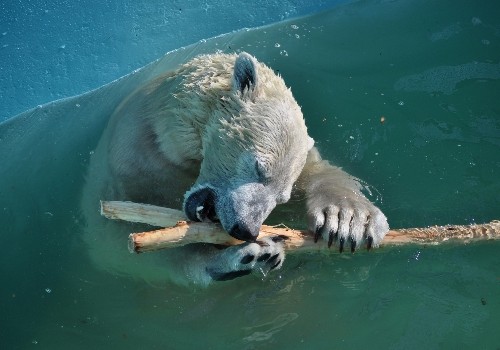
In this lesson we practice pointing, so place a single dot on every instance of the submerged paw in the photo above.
(264, 255)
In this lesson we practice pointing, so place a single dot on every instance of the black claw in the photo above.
(273, 258)
(274, 261)
(353, 245)
(341, 244)
(369, 243)
(330, 239)
(263, 257)
(247, 259)
(276, 265)
(317, 234)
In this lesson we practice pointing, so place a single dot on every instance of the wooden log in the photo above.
(183, 232)
(142, 213)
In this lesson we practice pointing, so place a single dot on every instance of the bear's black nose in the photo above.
(241, 232)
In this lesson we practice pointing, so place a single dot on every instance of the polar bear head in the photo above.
(254, 147)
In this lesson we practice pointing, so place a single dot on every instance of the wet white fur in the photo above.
(194, 127)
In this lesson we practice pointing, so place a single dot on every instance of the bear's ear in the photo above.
(245, 74)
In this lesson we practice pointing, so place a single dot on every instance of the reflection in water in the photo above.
(266, 330)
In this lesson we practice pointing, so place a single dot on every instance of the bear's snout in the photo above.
(241, 210)
(200, 205)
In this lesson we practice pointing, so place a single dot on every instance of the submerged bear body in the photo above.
(223, 138)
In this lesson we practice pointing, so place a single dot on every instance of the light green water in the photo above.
(431, 68)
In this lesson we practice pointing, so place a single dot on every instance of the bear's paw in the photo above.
(262, 256)
(347, 220)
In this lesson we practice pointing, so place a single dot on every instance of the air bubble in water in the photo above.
(283, 53)
(277, 45)
(294, 26)
(476, 21)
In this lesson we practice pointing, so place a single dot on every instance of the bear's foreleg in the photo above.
(336, 209)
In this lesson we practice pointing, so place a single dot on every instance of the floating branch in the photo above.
(181, 232)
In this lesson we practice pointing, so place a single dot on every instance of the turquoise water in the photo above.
(431, 69)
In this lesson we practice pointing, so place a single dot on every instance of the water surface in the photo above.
(430, 69)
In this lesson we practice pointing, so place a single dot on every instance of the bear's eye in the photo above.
(261, 173)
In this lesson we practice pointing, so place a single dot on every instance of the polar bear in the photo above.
(223, 137)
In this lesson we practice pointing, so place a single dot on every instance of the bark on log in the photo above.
(183, 232)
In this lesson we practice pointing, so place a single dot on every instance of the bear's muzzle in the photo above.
(241, 210)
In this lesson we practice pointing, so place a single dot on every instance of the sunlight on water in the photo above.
(402, 94)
